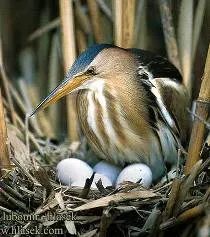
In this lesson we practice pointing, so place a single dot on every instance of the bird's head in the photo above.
(103, 62)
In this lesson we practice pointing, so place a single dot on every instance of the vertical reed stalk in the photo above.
(169, 33)
(118, 21)
(140, 29)
(82, 19)
(124, 22)
(128, 23)
(69, 55)
(43, 55)
(202, 110)
(4, 152)
(81, 40)
(199, 15)
(95, 21)
(53, 82)
(185, 26)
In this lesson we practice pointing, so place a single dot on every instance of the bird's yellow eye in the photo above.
(91, 71)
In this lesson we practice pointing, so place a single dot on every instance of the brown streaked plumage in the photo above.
(127, 105)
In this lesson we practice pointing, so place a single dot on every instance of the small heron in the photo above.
(131, 105)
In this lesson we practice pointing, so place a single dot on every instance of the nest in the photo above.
(33, 202)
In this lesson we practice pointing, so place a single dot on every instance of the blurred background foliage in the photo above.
(32, 46)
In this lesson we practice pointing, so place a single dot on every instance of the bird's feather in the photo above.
(162, 81)
(156, 65)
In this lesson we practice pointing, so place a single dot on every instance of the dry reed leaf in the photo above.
(60, 201)
(191, 213)
(119, 197)
(70, 226)
(152, 223)
(187, 183)
(20, 204)
(172, 197)
(4, 152)
(19, 149)
(43, 178)
(21, 125)
(106, 219)
(49, 206)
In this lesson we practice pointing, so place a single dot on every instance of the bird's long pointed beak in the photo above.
(66, 87)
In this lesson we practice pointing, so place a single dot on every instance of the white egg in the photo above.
(73, 170)
(134, 173)
(109, 170)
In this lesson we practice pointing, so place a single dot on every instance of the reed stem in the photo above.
(95, 20)
(124, 11)
(69, 55)
(185, 28)
(202, 110)
(169, 33)
(4, 152)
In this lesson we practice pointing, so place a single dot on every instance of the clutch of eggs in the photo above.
(74, 172)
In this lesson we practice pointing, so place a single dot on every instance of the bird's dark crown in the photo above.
(87, 57)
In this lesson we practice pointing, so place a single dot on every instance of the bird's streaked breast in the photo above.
(102, 103)
(91, 117)
(99, 120)
(105, 127)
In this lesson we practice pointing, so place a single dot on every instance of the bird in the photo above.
(131, 104)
